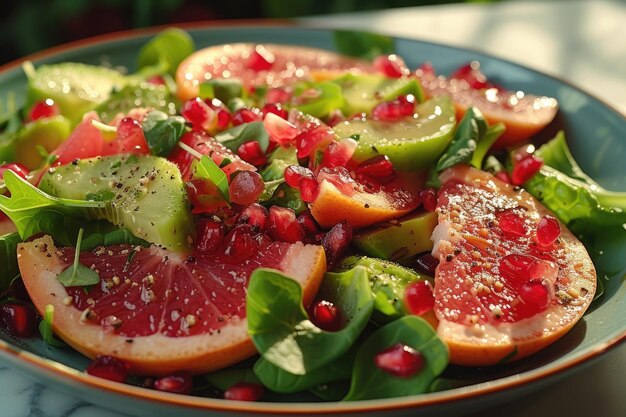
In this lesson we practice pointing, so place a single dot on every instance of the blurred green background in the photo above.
(32, 25)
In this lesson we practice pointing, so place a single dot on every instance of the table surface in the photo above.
(578, 41)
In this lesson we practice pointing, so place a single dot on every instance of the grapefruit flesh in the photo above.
(159, 312)
(498, 293)
(290, 64)
(524, 115)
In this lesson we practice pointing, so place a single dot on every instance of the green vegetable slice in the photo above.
(8, 259)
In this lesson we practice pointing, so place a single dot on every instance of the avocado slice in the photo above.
(406, 237)
(47, 133)
(144, 194)
(76, 88)
(411, 143)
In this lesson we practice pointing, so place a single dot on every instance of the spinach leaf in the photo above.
(166, 50)
(27, 201)
(281, 330)
(228, 377)
(331, 391)
(114, 237)
(363, 44)
(8, 259)
(45, 328)
(371, 382)
(209, 170)
(234, 137)
(162, 132)
(77, 274)
(279, 380)
(222, 89)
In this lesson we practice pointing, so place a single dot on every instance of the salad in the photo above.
(247, 221)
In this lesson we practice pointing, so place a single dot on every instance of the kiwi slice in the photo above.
(144, 194)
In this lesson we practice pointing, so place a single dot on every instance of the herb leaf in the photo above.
(162, 132)
(209, 170)
(27, 201)
(370, 382)
(77, 274)
(8, 259)
(280, 327)
(114, 237)
(235, 137)
(363, 44)
(222, 89)
(45, 328)
(168, 49)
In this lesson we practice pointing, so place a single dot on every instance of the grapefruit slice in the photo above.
(342, 199)
(499, 294)
(523, 114)
(280, 65)
(157, 311)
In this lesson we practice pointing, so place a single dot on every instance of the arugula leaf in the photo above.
(209, 170)
(45, 328)
(363, 44)
(114, 237)
(465, 140)
(77, 274)
(166, 50)
(8, 259)
(234, 137)
(556, 154)
(371, 382)
(27, 201)
(485, 142)
(162, 132)
(222, 89)
(281, 330)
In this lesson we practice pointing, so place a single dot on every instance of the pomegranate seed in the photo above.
(180, 383)
(223, 114)
(429, 199)
(335, 117)
(244, 391)
(157, 80)
(277, 95)
(378, 169)
(314, 135)
(279, 129)
(336, 242)
(240, 243)
(426, 69)
(419, 297)
(337, 154)
(295, 173)
(525, 169)
(260, 59)
(308, 223)
(395, 110)
(548, 231)
(252, 153)
(400, 360)
(283, 225)
(326, 316)
(108, 367)
(210, 235)
(44, 109)
(309, 188)
(512, 223)
(503, 176)
(244, 115)
(516, 268)
(199, 114)
(255, 215)
(544, 271)
(17, 168)
(536, 293)
(391, 65)
(127, 127)
(276, 109)
(427, 264)
(246, 187)
(471, 73)
(17, 319)
(339, 177)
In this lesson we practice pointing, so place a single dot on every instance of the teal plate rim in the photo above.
(47, 368)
